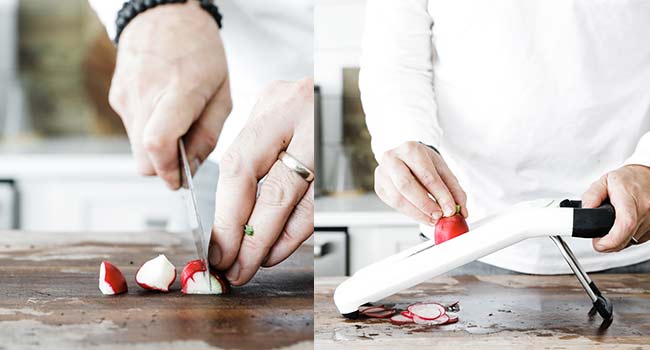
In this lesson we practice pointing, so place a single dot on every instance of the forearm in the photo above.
(396, 79)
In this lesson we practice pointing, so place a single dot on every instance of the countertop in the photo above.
(357, 210)
(498, 312)
(49, 298)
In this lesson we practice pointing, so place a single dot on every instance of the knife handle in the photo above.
(590, 222)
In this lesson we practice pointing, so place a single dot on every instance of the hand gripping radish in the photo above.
(450, 227)
(156, 274)
(111, 280)
(194, 280)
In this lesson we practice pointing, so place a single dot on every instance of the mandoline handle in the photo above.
(590, 222)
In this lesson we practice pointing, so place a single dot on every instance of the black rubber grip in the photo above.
(590, 222)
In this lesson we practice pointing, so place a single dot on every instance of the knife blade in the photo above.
(199, 196)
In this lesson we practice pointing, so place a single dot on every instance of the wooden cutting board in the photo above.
(49, 298)
(498, 312)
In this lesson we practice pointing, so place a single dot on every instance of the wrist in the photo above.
(160, 13)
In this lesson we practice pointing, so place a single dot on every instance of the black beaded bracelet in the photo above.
(132, 8)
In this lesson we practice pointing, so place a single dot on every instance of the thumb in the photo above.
(596, 193)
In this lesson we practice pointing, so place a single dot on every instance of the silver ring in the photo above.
(634, 241)
(294, 164)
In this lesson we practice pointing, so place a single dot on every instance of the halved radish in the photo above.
(156, 274)
(195, 281)
(427, 311)
(381, 314)
(111, 280)
(437, 321)
(400, 319)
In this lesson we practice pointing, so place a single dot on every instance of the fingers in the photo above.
(451, 181)
(203, 135)
(596, 194)
(171, 118)
(416, 157)
(389, 194)
(411, 189)
(298, 229)
(625, 224)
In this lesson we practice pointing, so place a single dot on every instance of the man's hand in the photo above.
(171, 81)
(410, 176)
(628, 189)
(281, 217)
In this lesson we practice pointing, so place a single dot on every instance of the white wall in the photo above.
(338, 26)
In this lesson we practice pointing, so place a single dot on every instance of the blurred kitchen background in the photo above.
(65, 161)
(353, 227)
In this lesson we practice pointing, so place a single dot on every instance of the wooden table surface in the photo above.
(49, 298)
(498, 312)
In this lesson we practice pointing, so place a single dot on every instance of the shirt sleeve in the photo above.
(396, 77)
(106, 11)
(641, 154)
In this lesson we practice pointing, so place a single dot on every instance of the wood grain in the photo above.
(498, 312)
(49, 298)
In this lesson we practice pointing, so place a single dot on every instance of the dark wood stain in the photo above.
(274, 310)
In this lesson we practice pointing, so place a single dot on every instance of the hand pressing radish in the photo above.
(450, 227)
(195, 281)
(156, 274)
(111, 280)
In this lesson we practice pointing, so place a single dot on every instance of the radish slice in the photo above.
(437, 321)
(374, 309)
(407, 314)
(381, 314)
(364, 308)
(195, 281)
(427, 311)
(111, 280)
(400, 319)
(451, 319)
(156, 274)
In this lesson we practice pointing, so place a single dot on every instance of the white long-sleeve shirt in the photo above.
(524, 100)
(264, 42)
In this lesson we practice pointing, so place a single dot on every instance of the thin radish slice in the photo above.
(427, 311)
(366, 307)
(400, 319)
(407, 314)
(438, 321)
(374, 309)
(381, 314)
(451, 319)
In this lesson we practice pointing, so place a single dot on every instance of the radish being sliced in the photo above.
(111, 280)
(156, 274)
(427, 311)
(195, 281)
(437, 321)
(381, 314)
(400, 319)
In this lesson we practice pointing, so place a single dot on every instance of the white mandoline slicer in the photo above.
(544, 217)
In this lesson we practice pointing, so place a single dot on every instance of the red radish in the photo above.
(373, 309)
(400, 319)
(450, 227)
(381, 314)
(427, 311)
(438, 321)
(364, 308)
(453, 318)
(195, 281)
(156, 274)
(111, 280)
(407, 313)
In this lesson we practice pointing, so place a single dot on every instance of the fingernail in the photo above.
(450, 210)
(215, 255)
(436, 216)
(233, 273)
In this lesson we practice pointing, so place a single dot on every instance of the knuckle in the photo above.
(153, 144)
(116, 97)
(252, 244)
(232, 164)
(274, 193)
(403, 183)
(430, 181)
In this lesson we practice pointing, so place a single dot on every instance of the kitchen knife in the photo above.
(199, 196)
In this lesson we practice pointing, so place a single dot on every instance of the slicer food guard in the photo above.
(544, 217)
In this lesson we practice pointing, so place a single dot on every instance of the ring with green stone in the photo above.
(248, 230)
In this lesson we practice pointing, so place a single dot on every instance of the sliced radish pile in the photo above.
(429, 314)
(427, 311)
